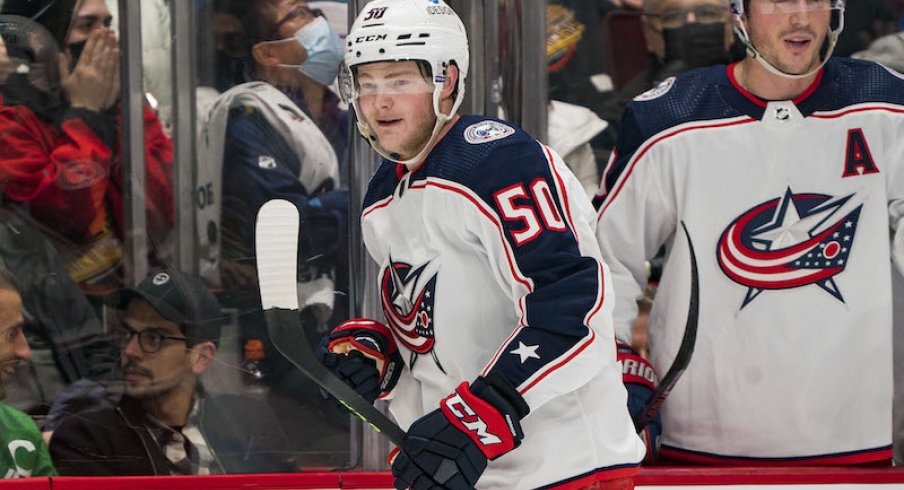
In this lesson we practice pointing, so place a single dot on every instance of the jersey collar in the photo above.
(762, 102)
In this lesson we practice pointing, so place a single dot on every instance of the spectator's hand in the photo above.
(7, 67)
(94, 82)
(114, 93)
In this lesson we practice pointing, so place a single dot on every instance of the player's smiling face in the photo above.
(397, 102)
(789, 33)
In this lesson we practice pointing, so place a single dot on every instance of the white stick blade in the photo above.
(276, 240)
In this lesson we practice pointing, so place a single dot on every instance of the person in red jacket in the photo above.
(59, 137)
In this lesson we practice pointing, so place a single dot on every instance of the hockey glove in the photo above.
(449, 447)
(640, 380)
(363, 354)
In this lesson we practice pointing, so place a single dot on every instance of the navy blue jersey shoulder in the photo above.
(848, 82)
(381, 184)
(697, 95)
(475, 145)
(474, 152)
(703, 94)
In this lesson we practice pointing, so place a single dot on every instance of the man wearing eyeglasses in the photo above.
(165, 423)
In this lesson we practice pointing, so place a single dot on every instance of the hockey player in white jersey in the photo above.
(788, 168)
(498, 357)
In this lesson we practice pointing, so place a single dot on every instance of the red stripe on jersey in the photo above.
(580, 348)
(602, 191)
(560, 186)
(638, 156)
(671, 455)
(857, 109)
(600, 295)
(617, 478)
(375, 206)
(511, 261)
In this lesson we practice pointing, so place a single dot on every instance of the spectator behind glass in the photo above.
(24, 453)
(680, 35)
(166, 423)
(59, 150)
(279, 137)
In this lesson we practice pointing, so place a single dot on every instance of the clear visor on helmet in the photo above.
(391, 79)
(791, 6)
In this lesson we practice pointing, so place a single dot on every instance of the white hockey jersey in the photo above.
(489, 263)
(788, 205)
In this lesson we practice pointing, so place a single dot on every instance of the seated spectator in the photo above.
(67, 338)
(680, 35)
(166, 423)
(59, 131)
(24, 453)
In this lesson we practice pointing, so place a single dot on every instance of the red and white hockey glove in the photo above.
(640, 381)
(449, 447)
(363, 353)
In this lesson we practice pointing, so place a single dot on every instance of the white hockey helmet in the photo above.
(407, 30)
(836, 25)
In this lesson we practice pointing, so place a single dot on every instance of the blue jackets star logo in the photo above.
(789, 242)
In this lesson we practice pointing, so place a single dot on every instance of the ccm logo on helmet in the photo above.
(470, 420)
(372, 37)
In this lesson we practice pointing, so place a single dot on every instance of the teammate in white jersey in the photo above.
(498, 307)
(788, 172)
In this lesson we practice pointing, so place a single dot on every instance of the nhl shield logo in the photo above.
(789, 242)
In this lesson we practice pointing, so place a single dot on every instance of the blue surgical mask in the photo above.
(324, 51)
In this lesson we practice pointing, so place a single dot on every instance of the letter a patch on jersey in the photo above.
(858, 159)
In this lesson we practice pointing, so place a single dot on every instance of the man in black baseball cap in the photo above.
(181, 299)
(166, 423)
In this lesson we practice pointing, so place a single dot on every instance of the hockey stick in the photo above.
(685, 350)
(276, 239)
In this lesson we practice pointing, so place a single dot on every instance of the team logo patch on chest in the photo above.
(408, 294)
(788, 242)
(486, 131)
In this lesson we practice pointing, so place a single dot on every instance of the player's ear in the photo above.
(451, 81)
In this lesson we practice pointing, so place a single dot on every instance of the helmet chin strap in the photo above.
(753, 53)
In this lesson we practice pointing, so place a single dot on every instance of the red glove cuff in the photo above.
(636, 369)
(481, 421)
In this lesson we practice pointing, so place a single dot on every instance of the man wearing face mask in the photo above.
(680, 35)
(279, 136)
